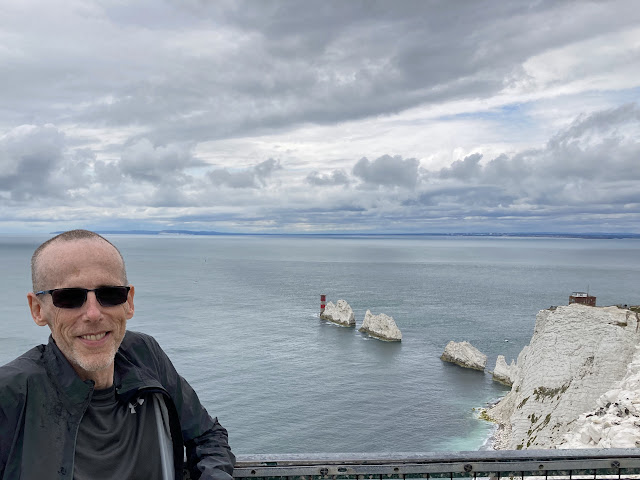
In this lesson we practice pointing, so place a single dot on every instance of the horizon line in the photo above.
(603, 235)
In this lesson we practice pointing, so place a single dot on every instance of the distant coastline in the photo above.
(380, 234)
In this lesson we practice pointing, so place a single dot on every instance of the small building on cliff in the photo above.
(583, 298)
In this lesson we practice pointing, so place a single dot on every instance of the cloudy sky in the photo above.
(293, 116)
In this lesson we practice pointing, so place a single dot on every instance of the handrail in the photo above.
(592, 463)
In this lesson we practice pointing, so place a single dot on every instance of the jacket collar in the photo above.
(75, 391)
(128, 378)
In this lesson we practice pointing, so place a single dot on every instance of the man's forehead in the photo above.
(70, 254)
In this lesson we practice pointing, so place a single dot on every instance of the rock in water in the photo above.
(504, 373)
(342, 314)
(576, 355)
(381, 326)
(465, 355)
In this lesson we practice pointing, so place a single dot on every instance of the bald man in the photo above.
(99, 402)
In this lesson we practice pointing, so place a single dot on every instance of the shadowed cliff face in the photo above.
(577, 353)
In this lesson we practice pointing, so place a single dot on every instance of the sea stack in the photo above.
(504, 373)
(465, 355)
(382, 327)
(580, 360)
(341, 314)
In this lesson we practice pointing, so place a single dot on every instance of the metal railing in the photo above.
(495, 464)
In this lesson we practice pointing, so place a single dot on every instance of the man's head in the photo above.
(39, 275)
(88, 335)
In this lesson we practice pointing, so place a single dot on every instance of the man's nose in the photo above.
(93, 306)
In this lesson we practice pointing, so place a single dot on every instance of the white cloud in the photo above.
(568, 69)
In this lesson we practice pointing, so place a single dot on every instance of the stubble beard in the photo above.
(97, 361)
(92, 362)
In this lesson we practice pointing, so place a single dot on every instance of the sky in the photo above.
(320, 116)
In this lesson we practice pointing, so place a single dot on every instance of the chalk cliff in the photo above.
(576, 355)
(465, 355)
(341, 313)
(615, 421)
(381, 326)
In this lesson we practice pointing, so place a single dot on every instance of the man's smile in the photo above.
(93, 337)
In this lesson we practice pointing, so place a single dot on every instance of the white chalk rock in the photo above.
(577, 355)
(341, 313)
(465, 355)
(504, 373)
(613, 423)
(381, 326)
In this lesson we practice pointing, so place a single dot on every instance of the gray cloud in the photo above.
(143, 161)
(194, 71)
(602, 145)
(591, 164)
(336, 177)
(586, 168)
(464, 196)
(465, 169)
(168, 110)
(32, 163)
(254, 177)
(388, 171)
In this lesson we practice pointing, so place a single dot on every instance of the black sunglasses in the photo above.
(75, 297)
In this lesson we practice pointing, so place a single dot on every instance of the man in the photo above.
(98, 402)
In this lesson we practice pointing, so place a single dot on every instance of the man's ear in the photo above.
(36, 309)
(130, 307)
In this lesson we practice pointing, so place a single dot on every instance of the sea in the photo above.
(239, 317)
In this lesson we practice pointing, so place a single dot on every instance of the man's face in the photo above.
(90, 335)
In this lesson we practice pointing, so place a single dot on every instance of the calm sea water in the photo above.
(239, 318)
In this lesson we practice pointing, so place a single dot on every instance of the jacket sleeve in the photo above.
(12, 402)
(209, 456)
(5, 436)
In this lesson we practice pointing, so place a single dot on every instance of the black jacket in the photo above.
(42, 401)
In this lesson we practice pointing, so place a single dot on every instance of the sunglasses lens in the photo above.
(69, 297)
(75, 297)
(111, 296)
